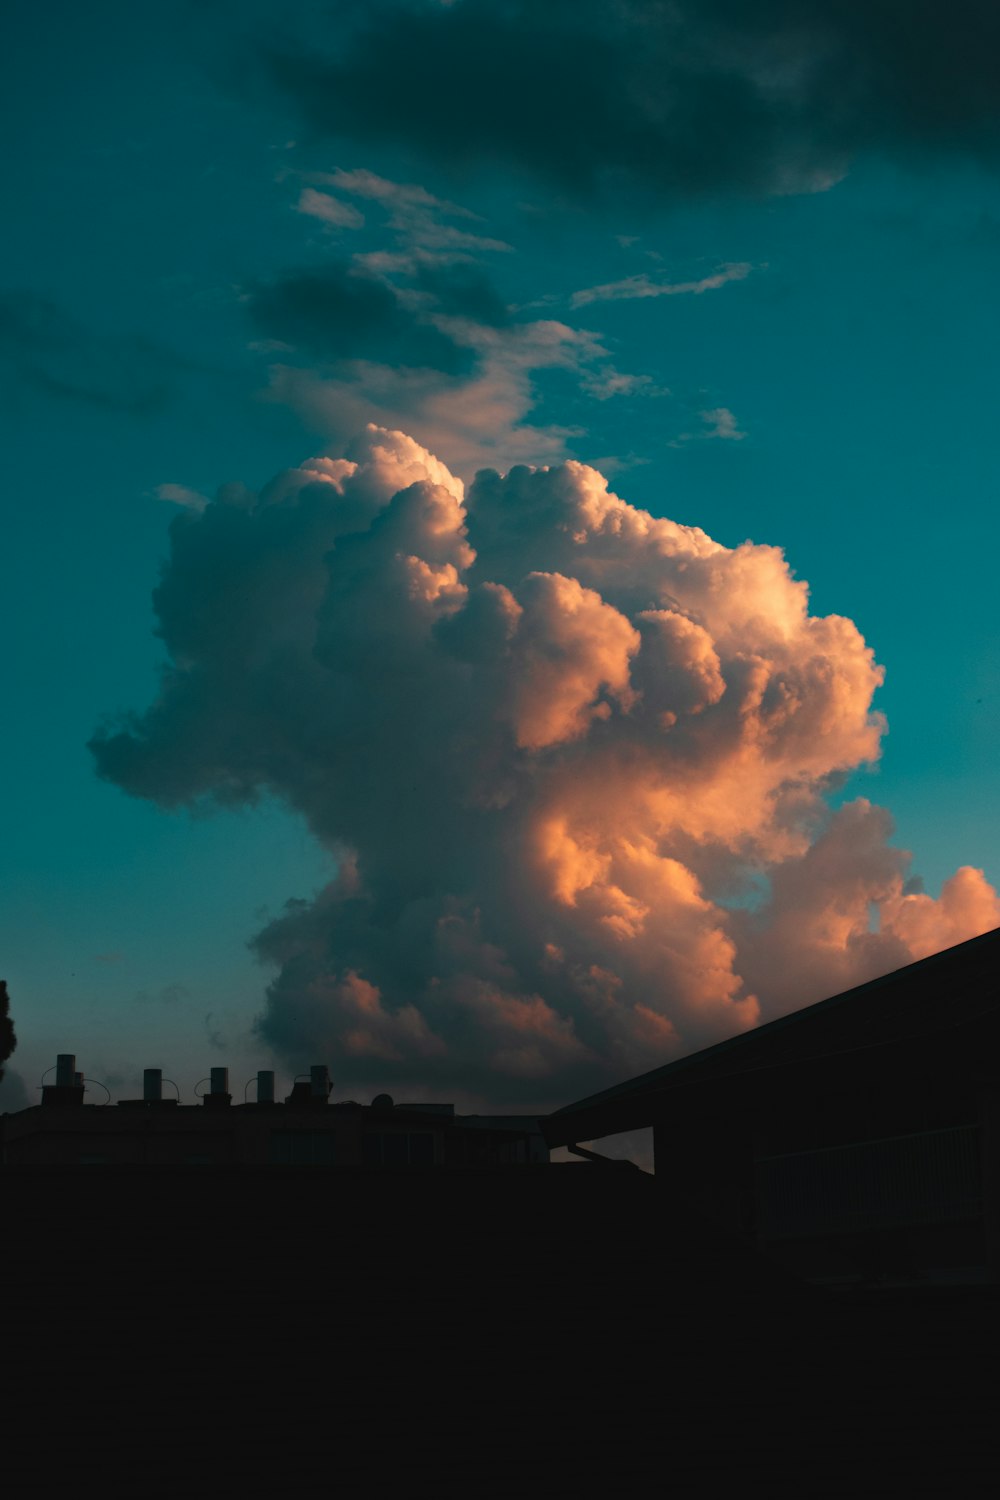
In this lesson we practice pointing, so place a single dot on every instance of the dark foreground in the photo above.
(523, 1333)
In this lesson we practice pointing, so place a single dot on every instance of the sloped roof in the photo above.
(936, 994)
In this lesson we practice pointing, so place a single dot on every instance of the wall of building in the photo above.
(349, 1136)
(876, 1172)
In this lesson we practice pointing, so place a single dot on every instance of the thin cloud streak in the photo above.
(180, 494)
(329, 210)
(644, 286)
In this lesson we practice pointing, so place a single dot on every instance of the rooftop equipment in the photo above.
(68, 1087)
(218, 1095)
(311, 1090)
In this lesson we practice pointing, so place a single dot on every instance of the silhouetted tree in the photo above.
(8, 1041)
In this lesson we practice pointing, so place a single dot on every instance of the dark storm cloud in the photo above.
(44, 347)
(680, 96)
(462, 291)
(338, 313)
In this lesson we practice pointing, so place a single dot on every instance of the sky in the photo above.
(499, 790)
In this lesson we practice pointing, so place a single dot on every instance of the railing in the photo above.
(934, 1177)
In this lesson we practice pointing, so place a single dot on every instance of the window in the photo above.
(932, 1177)
(394, 1150)
(422, 1149)
(397, 1148)
(302, 1148)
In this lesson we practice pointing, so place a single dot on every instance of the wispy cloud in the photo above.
(482, 420)
(329, 210)
(418, 218)
(718, 422)
(642, 285)
(606, 381)
(180, 494)
(416, 335)
(396, 195)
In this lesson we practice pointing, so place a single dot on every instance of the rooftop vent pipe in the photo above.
(68, 1087)
(152, 1085)
(320, 1086)
(218, 1095)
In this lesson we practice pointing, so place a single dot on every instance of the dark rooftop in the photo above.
(935, 995)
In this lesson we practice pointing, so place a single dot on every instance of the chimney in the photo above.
(265, 1086)
(320, 1085)
(67, 1091)
(218, 1096)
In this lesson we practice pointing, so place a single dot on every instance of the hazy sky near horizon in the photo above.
(745, 269)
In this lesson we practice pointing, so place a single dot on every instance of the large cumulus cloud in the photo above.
(552, 741)
(680, 96)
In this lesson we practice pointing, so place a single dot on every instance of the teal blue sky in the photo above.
(151, 181)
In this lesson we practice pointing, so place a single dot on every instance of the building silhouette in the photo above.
(857, 1138)
(307, 1129)
(494, 1329)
